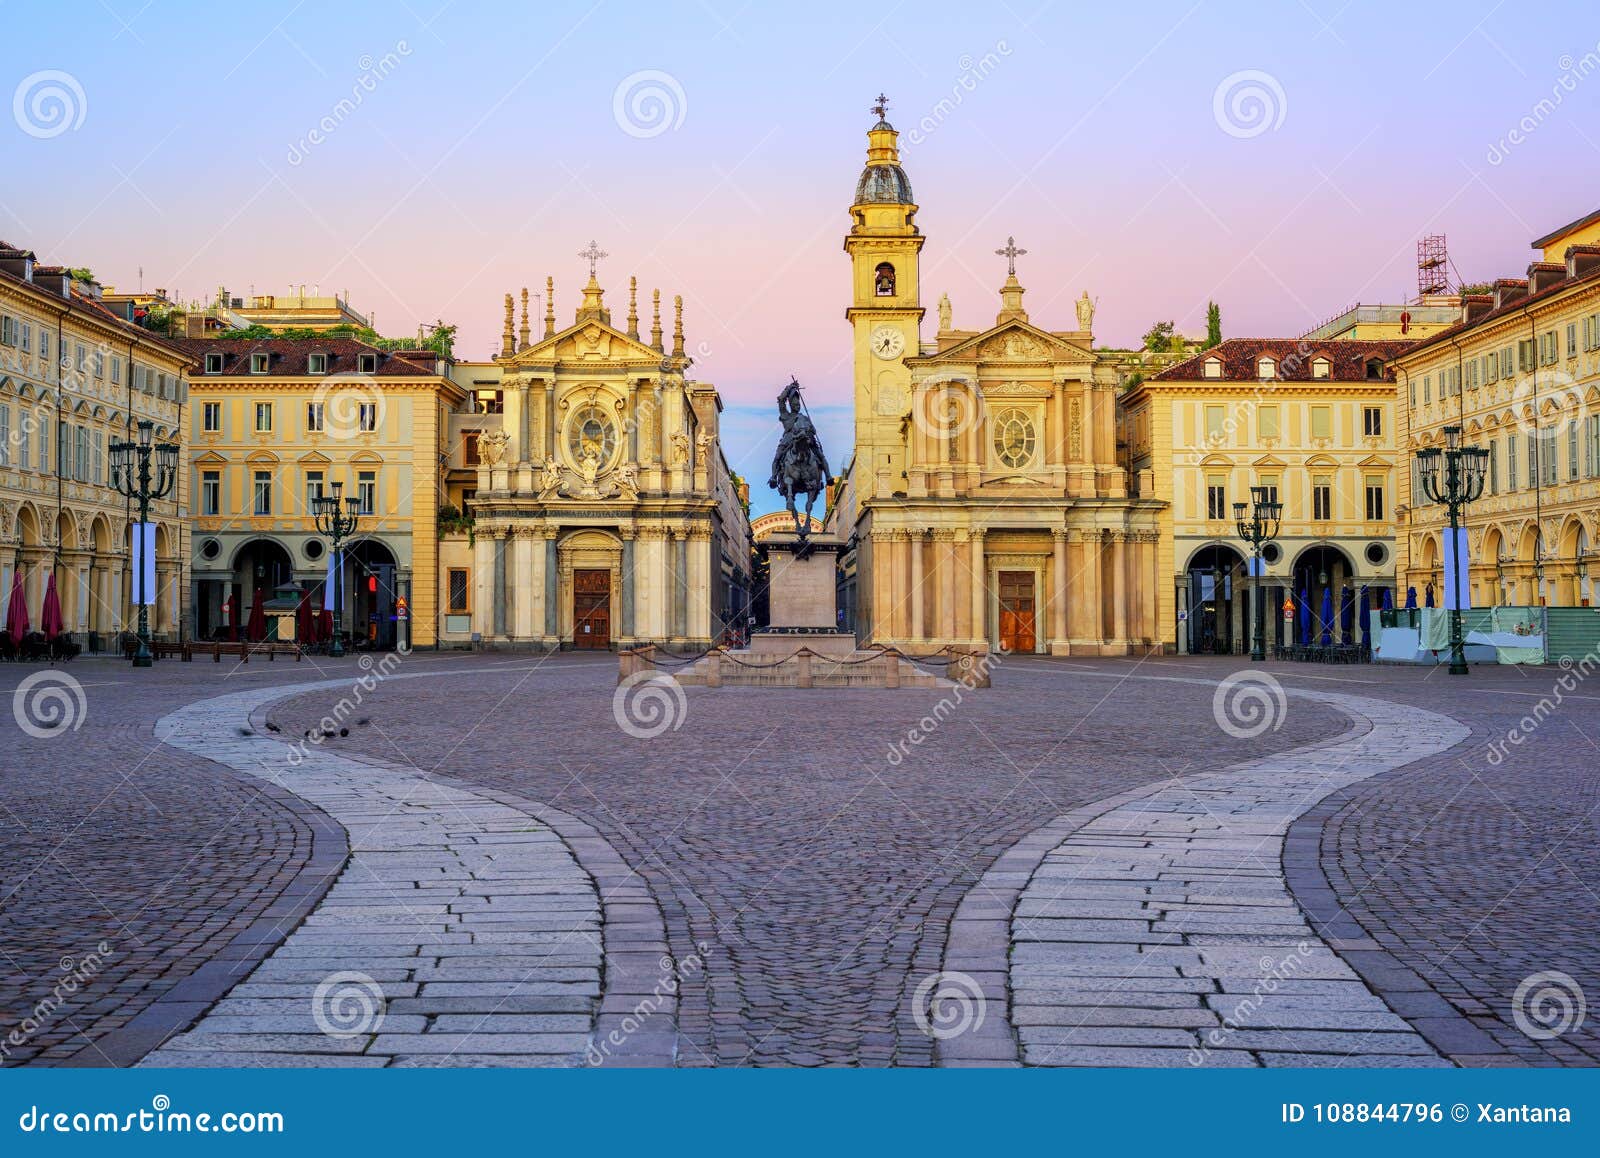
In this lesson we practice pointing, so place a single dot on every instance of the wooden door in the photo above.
(591, 609)
(1017, 611)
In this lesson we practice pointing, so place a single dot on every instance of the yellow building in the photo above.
(1410, 322)
(1520, 374)
(295, 310)
(1314, 422)
(75, 378)
(274, 424)
(603, 512)
(985, 501)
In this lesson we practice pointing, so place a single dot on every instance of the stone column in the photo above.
(522, 552)
(899, 610)
(502, 592)
(1060, 578)
(524, 424)
(919, 619)
(1152, 591)
(879, 628)
(552, 582)
(961, 620)
(626, 597)
(483, 583)
(979, 573)
(945, 561)
(549, 418)
(1119, 592)
(680, 583)
(1094, 617)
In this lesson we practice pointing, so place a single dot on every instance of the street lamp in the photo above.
(1459, 483)
(336, 519)
(131, 475)
(1258, 523)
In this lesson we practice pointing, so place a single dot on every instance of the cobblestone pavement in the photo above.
(460, 932)
(815, 843)
(1156, 928)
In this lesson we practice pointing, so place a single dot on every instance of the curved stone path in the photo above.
(462, 930)
(1156, 927)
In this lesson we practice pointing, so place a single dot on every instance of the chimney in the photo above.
(1544, 274)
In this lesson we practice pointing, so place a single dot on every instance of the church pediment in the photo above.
(1014, 341)
(588, 341)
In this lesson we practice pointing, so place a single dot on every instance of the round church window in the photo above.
(593, 434)
(1014, 438)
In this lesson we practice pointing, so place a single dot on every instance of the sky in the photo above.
(428, 156)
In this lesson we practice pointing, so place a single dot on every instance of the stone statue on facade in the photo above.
(1085, 312)
(492, 447)
(945, 314)
(680, 449)
(799, 467)
(550, 479)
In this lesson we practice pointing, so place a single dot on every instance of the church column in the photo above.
(552, 586)
(945, 561)
(524, 423)
(549, 419)
(1058, 594)
(702, 573)
(501, 589)
(626, 596)
(978, 575)
(1105, 461)
(482, 583)
(680, 583)
(1152, 600)
(961, 620)
(1092, 622)
(879, 582)
(919, 620)
(522, 552)
(1119, 590)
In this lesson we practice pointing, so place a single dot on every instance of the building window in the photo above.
(211, 417)
(1321, 498)
(1549, 451)
(213, 363)
(1214, 423)
(1591, 456)
(5, 435)
(459, 587)
(24, 437)
(1321, 422)
(1491, 368)
(1374, 499)
(314, 481)
(259, 363)
(1572, 339)
(9, 332)
(883, 280)
(1572, 448)
(99, 364)
(98, 474)
(367, 417)
(1216, 497)
(1494, 466)
(367, 491)
(80, 453)
(469, 447)
(210, 492)
(1375, 369)
(263, 418)
(314, 417)
(1372, 421)
(1321, 368)
(1511, 463)
(80, 359)
(317, 364)
(1267, 368)
(367, 363)
(116, 371)
(1267, 422)
(1213, 367)
(1014, 438)
(263, 492)
(1269, 483)
(44, 443)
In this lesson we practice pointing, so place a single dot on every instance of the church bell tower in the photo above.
(885, 310)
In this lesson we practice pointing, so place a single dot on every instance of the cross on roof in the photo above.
(882, 107)
(594, 253)
(1010, 253)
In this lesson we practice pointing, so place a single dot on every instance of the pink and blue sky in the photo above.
(1282, 159)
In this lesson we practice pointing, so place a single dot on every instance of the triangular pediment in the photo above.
(1375, 462)
(587, 341)
(1269, 462)
(1013, 341)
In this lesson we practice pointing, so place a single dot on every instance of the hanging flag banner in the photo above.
(1457, 553)
(335, 570)
(143, 576)
(1256, 567)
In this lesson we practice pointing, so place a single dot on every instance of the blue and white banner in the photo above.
(330, 587)
(1459, 544)
(143, 576)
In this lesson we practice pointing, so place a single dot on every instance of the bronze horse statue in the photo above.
(799, 467)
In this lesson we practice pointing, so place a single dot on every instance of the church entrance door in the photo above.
(1017, 611)
(591, 609)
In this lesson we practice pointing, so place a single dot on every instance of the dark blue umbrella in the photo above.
(1327, 616)
(1347, 616)
(1365, 618)
(1411, 598)
(1388, 599)
(1427, 596)
(1305, 618)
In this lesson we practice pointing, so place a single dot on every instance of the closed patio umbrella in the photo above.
(50, 615)
(1364, 619)
(17, 609)
(1387, 603)
(1427, 596)
(1347, 615)
(1327, 617)
(305, 621)
(324, 626)
(256, 630)
(1411, 598)
(230, 617)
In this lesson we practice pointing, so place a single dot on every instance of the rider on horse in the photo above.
(799, 466)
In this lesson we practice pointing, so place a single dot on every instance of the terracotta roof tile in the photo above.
(290, 357)
(1294, 356)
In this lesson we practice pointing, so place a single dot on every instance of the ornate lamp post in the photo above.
(132, 476)
(1258, 522)
(336, 519)
(1459, 482)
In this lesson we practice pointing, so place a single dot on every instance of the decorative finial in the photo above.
(655, 321)
(882, 107)
(508, 341)
(549, 307)
(523, 332)
(1010, 253)
(633, 308)
(594, 253)
(677, 326)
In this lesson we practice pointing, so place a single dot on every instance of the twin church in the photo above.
(984, 503)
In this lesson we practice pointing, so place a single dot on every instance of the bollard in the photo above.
(804, 656)
(714, 671)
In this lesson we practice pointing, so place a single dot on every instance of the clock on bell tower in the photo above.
(885, 309)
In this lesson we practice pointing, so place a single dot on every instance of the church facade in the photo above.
(984, 505)
(602, 510)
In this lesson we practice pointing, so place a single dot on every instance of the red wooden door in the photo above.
(1017, 631)
(591, 609)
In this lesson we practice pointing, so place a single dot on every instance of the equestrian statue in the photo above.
(799, 466)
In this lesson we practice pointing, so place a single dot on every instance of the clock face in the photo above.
(887, 342)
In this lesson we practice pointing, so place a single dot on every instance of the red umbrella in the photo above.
(256, 629)
(304, 629)
(17, 609)
(230, 616)
(50, 616)
(325, 626)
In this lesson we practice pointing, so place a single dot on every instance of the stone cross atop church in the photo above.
(1010, 253)
(1011, 293)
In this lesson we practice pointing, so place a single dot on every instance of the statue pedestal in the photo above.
(803, 594)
